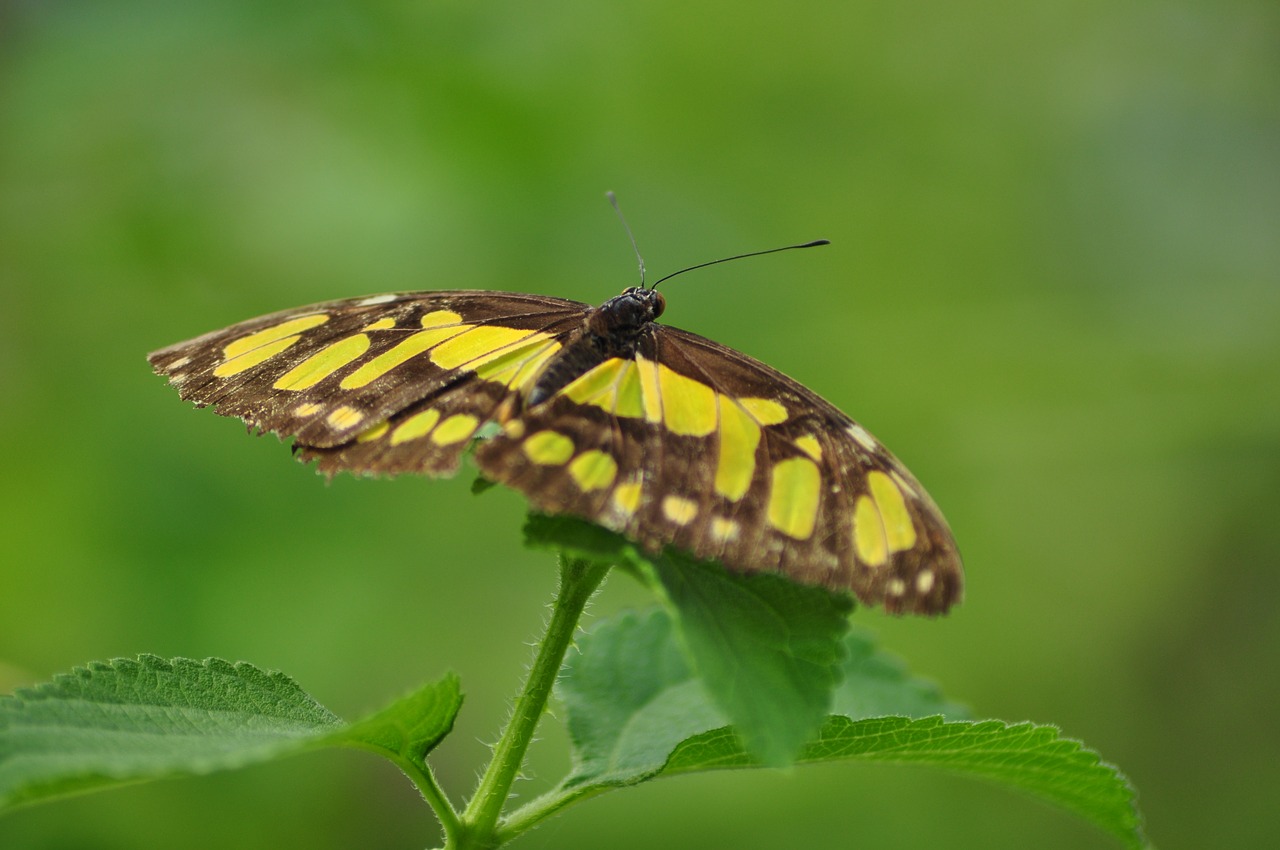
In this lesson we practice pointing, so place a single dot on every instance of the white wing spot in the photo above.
(924, 582)
(863, 438)
(377, 299)
(724, 530)
(897, 587)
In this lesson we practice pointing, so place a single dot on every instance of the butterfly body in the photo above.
(661, 435)
(611, 330)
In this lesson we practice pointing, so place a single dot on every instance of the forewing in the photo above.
(383, 384)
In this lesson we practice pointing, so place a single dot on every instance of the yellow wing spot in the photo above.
(809, 445)
(593, 470)
(679, 509)
(416, 426)
(598, 385)
(613, 386)
(794, 496)
(273, 334)
(345, 417)
(629, 400)
(514, 429)
(765, 410)
(408, 348)
(323, 363)
(518, 364)
(899, 530)
(476, 346)
(436, 318)
(739, 437)
(370, 434)
(549, 448)
(724, 530)
(688, 406)
(868, 533)
(455, 429)
(307, 408)
(650, 395)
(626, 497)
(882, 523)
(252, 357)
(532, 366)
(381, 325)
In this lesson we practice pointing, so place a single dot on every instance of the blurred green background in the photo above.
(1054, 291)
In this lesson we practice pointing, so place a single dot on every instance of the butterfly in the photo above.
(661, 435)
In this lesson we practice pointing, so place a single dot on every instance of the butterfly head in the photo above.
(632, 310)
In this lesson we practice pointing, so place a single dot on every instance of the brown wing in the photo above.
(382, 384)
(695, 445)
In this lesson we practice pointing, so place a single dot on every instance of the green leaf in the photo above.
(635, 711)
(768, 649)
(481, 485)
(577, 538)
(877, 684)
(1034, 759)
(412, 726)
(124, 721)
(630, 698)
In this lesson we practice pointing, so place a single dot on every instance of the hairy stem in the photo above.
(578, 581)
(420, 773)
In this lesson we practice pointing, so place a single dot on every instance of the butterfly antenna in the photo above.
(613, 201)
(812, 244)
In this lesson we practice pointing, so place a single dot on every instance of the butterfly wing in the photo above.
(383, 384)
(698, 446)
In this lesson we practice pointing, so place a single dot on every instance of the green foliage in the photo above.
(636, 710)
(767, 649)
(634, 703)
(410, 727)
(125, 721)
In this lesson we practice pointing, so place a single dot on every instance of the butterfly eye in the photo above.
(659, 304)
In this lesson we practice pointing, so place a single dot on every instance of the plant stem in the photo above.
(536, 811)
(421, 776)
(578, 581)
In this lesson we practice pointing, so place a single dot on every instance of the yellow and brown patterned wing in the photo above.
(697, 446)
(383, 384)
